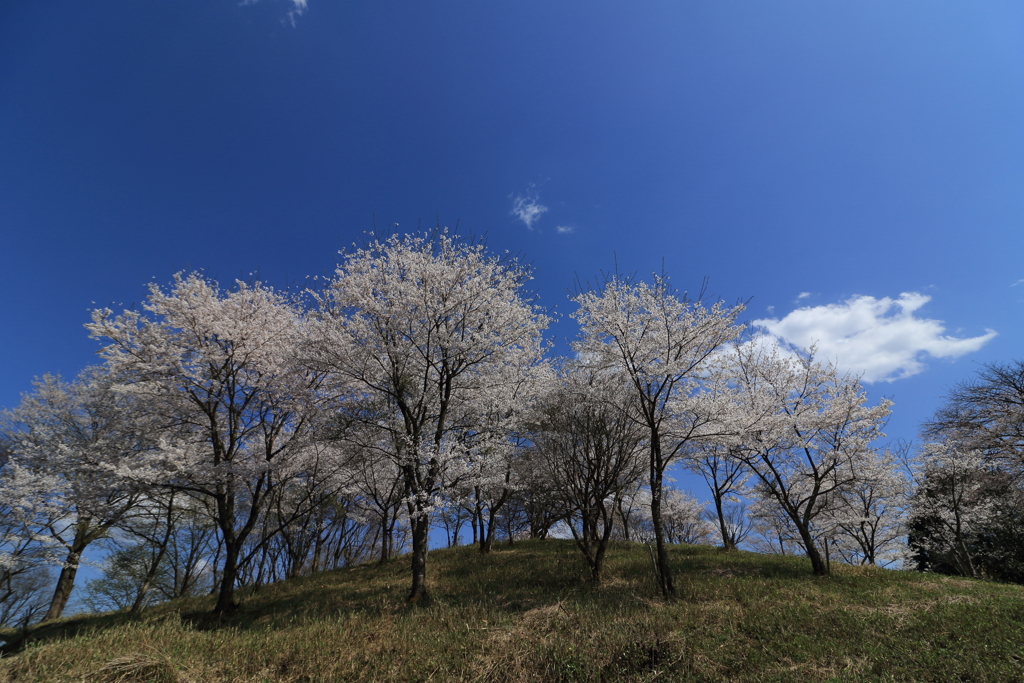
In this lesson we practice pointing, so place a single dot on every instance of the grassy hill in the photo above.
(526, 614)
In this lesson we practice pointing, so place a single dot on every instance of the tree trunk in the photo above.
(818, 565)
(508, 527)
(65, 582)
(602, 545)
(391, 533)
(625, 522)
(216, 571)
(226, 595)
(478, 518)
(225, 500)
(154, 567)
(385, 533)
(487, 539)
(583, 538)
(420, 528)
(317, 548)
(668, 588)
(140, 598)
(727, 541)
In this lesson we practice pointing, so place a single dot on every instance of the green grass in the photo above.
(527, 614)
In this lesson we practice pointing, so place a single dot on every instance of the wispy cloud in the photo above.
(878, 338)
(299, 8)
(802, 295)
(564, 229)
(1017, 283)
(527, 208)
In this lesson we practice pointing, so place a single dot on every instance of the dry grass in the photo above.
(528, 614)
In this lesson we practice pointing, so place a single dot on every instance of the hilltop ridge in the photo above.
(527, 613)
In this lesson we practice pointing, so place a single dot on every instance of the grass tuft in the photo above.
(143, 668)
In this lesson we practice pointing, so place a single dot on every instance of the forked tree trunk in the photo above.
(598, 545)
(487, 540)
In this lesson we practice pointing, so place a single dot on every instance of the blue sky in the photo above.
(806, 154)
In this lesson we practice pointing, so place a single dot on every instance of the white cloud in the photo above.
(802, 295)
(1017, 283)
(564, 229)
(527, 209)
(880, 338)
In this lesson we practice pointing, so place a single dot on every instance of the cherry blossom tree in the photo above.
(869, 514)
(726, 477)
(632, 509)
(313, 522)
(378, 482)
(773, 531)
(83, 437)
(590, 451)
(739, 523)
(26, 551)
(218, 371)
(433, 327)
(983, 416)
(956, 502)
(804, 431)
(495, 444)
(152, 524)
(537, 497)
(381, 487)
(662, 344)
(685, 518)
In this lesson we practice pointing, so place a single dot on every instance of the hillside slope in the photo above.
(526, 614)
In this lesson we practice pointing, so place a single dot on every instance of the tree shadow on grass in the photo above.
(17, 640)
